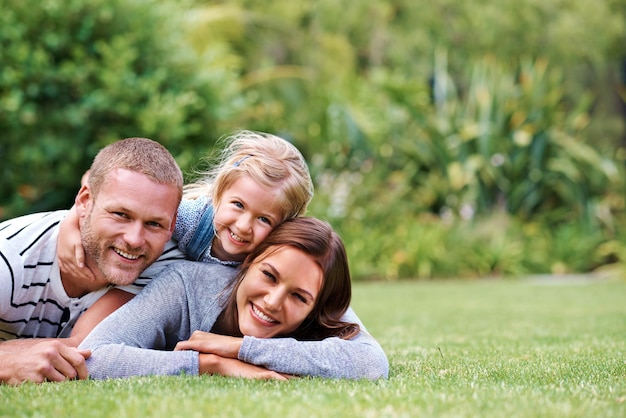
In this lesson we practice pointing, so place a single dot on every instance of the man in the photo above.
(127, 213)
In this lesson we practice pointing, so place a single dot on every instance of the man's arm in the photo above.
(56, 359)
(39, 360)
(102, 308)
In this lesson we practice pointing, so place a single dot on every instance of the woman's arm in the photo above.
(357, 358)
(129, 341)
(139, 337)
(360, 357)
(214, 364)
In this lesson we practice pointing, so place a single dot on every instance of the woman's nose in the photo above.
(274, 299)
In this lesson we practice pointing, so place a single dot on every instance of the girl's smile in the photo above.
(244, 216)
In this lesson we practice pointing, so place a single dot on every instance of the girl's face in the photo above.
(277, 293)
(245, 214)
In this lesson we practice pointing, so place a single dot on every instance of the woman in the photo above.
(296, 284)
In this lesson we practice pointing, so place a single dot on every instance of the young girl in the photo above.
(261, 181)
(296, 284)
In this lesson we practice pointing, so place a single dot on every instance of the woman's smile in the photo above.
(277, 293)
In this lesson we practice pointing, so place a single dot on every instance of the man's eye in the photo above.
(154, 224)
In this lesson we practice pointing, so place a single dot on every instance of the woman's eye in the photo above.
(269, 275)
(300, 297)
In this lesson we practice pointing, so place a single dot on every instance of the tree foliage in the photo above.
(425, 123)
(79, 74)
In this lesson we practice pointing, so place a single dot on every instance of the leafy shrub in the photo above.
(79, 74)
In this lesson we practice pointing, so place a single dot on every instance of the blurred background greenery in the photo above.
(446, 138)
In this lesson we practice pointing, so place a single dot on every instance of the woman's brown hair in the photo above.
(318, 240)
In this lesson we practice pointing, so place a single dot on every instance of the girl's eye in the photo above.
(265, 220)
(238, 204)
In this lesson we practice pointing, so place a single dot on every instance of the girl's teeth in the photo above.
(235, 237)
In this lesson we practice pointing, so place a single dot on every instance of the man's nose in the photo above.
(135, 234)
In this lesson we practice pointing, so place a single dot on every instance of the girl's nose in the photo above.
(244, 223)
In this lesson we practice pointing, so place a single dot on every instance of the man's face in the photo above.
(125, 227)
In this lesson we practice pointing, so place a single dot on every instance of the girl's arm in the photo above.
(70, 250)
(187, 220)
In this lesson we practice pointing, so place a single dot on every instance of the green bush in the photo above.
(79, 74)
(431, 157)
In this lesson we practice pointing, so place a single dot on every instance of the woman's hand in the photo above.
(214, 364)
(70, 250)
(209, 343)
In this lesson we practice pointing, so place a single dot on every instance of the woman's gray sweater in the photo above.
(139, 337)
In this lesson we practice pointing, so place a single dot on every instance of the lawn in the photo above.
(490, 348)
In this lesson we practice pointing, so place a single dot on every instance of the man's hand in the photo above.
(213, 364)
(47, 360)
(209, 343)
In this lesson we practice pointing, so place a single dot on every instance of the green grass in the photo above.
(457, 349)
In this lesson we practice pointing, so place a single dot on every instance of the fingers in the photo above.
(184, 345)
(274, 376)
(55, 362)
(70, 363)
(79, 254)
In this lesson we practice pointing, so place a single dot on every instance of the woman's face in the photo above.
(245, 214)
(277, 293)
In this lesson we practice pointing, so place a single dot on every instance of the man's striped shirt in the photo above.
(33, 302)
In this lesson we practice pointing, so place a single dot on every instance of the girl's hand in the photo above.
(213, 364)
(70, 250)
(209, 343)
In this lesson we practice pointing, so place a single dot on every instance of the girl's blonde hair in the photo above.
(269, 160)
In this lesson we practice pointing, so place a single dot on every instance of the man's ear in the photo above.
(83, 200)
(173, 225)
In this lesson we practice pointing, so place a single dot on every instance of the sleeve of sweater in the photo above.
(132, 340)
(358, 358)
(187, 219)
